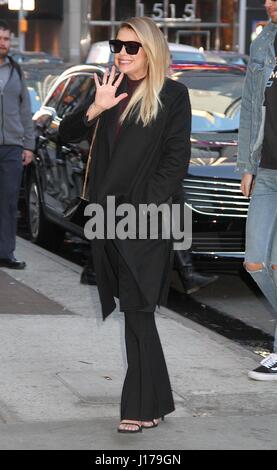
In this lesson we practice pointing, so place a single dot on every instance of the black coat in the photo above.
(147, 165)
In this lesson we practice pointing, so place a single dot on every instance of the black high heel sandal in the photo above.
(129, 431)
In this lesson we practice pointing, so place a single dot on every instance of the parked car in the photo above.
(56, 176)
(207, 66)
(24, 57)
(212, 187)
(214, 57)
(40, 77)
(180, 53)
(229, 57)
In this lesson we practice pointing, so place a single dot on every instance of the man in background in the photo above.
(17, 143)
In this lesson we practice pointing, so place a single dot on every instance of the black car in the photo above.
(40, 79)
(212, 187)
(33, 57)
(56, 176)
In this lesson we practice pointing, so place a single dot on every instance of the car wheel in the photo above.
(42, 231)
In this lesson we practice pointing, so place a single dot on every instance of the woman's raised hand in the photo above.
(105, 93)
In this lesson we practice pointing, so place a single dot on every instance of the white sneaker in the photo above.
(267, 370)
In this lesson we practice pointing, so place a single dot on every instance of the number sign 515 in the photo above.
(158, 11)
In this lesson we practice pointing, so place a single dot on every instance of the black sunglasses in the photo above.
(131, 47)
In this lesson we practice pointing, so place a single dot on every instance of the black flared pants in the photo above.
(146, 392)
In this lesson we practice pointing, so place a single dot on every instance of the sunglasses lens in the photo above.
(132, 48)
(116, 46)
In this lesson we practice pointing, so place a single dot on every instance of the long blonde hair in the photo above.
(146, 99)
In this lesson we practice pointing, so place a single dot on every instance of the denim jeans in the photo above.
(261, 235)
(10, 179)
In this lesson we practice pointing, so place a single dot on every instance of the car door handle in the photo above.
(73, 149)
(42, 141)
(66, 149)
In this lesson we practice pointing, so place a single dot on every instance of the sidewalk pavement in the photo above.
(62, 370)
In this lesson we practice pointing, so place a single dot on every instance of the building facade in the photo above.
(59, 27)
(212, 24)
(67, 27)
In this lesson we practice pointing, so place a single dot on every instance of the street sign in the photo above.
(27, 5)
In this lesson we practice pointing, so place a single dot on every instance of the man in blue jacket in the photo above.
(257, 161)
(17, 143)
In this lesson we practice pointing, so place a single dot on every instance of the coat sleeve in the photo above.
(75, 126)
(173, 165)
(244, 164)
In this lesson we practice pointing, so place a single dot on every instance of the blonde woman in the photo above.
(141, 154)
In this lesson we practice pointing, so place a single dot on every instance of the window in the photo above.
(215, 99)
(79, 90)
(183, 56)
(56, 95)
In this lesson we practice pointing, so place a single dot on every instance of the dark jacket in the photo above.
(147, 165)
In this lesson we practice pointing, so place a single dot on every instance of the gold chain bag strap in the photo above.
(79, 203)
(88, 168)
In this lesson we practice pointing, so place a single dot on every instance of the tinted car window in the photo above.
(234, 60)
(79, 90)
(42, 77)
(56, 95)
(215, 99)
(34, 99)
(182, 56)
(36, 57)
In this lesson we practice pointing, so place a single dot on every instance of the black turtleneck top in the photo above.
(131, 87)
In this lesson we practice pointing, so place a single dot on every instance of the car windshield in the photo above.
(34, 99)
(215, 99)
(41, 77)
(183, 56)
(35, 58)
(234, 60)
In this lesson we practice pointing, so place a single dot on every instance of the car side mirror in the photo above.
(44, 117)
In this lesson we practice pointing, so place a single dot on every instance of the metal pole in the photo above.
(113, 18)
(166, 7)
(235, 26)
(194, 6)
(89, 10)
(242, 26)
(21, 36)
(218, 20)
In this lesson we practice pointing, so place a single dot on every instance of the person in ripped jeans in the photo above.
(257, 161)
